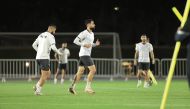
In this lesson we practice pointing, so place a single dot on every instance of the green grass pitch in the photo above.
(109, 95)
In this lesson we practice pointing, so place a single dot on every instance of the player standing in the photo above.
(85, 40)
(62, 62)
(43, 45)
(142, 54)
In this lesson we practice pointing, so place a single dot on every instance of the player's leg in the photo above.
(63, 71)
(139, 76)
(146, 67)
(92, 71)
(45, 74)
(59, 68)
(56, 75)
(76, 79)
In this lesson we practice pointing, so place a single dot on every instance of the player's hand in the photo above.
(59, 53)
(135, 62)
(87, 45)
(97, 42)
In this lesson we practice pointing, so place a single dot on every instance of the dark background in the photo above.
(134, 17)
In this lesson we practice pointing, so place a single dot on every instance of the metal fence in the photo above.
(110, 68)
(180, 69)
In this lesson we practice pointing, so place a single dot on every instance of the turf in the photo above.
(109, 95)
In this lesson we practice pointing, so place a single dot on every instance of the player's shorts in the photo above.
(143, 65)
(44, 64)
(62, 66)
(86, 61)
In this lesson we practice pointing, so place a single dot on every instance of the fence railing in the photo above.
(111, 68)
(180, 69)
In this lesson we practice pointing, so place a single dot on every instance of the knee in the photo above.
(93, 70)
(80, 71)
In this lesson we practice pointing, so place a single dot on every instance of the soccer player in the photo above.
(85, 40)
(43, 45)
(143, 49)
(62, 62)
(181, 35)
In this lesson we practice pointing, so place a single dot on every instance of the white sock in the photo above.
(139, 81)
(145, 83)
(62, 80)
(38, 87)
(74, 86)
(88, 84)
(55, 80)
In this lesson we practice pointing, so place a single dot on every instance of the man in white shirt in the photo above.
(143, 49)
(85, 40)
(62, 62)
(43, 45)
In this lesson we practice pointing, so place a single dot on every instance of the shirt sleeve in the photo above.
(52, 43)
(81, 36)
(51, 40)
(68, 52)
(78, 40)
(35, 44)
(137, 47)
(150, 48)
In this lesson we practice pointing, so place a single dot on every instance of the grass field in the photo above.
(109, 95)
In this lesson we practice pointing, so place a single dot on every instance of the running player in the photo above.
(43, 45)
(62, 62)
(85, 40)
(142, 54)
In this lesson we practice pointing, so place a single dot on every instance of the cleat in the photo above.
(72, 91)
(89, 90)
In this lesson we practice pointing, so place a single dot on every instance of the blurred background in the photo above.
(128, 18)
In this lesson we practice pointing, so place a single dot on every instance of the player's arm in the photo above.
(53, 47)
(68, 53)
(136, 57)
(56, 56)
(96, 44)
(78, 41)
(35, 44)
(152, 57)
(152, 54)
(136, 54)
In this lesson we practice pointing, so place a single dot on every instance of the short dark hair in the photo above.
(53, 25)
(87, 21)
(144, 35)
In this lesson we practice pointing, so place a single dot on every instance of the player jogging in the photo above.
(43, 45)
(142, 54)
(62, 62)
(85, 40)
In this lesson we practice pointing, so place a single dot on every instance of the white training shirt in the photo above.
(43, 45)
(85, 37)
(144, 50)
(63, 59)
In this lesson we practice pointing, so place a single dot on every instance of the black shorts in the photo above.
(143, 65)
(44, 64)
(62, 66)
(86, 61)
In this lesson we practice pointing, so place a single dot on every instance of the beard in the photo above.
(92, 28)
